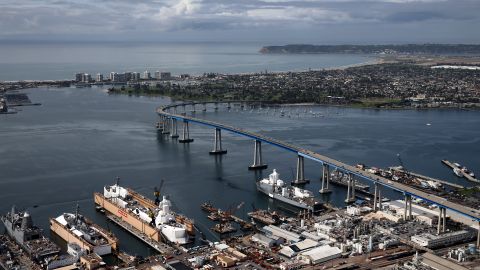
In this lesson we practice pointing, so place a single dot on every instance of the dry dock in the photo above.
(158, 246)
(466, 175)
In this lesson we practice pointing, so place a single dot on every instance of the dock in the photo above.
(466, 175)
(429, 178)
(158, 246)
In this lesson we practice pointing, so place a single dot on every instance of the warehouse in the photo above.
(320, 254)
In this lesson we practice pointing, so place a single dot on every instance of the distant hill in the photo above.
(375, 49)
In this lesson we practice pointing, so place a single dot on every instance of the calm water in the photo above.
(55, 61)
(58, 154)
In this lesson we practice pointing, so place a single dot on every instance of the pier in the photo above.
(466, 175)
(429, 178)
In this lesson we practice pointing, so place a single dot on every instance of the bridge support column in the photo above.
(257, 157)
(444, 220)
(300, 179)
(174, 130)
(439, 225)
(166, 126)
(193, 108)
(405, 213)
(410, 216)
(186, 134)
(325, 178)
(353, 187)
(380, 198)
(350, 189)
(204, 107)
(160, 124)
(478, 235)
(216, 106)
(217, 145)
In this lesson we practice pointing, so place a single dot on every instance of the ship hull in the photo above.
(38, 255)
(288, 201)
(69, 237)
(127, 217)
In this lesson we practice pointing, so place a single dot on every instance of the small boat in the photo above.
(458, 172)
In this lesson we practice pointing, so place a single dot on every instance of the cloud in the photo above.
(150, 17)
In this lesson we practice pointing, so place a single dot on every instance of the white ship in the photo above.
(160, 217)
(78, 230)
(276, 188)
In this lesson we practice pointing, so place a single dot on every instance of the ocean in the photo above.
(61, 60)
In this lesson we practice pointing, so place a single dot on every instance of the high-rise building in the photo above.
(157, 75)
(86, 77)
(136, 76)
(146, 75)
(128, 76)
(99, 77)
(112, 76)
(78, 77)
(165, 76)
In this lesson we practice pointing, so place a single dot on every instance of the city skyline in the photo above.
(266, 21)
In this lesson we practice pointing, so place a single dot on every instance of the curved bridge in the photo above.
(169, 113)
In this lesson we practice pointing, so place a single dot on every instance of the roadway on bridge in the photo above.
(474, 214)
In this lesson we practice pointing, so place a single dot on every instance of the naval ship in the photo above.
(77, 229)
(154, 219)
(19, 226)
(278, 190)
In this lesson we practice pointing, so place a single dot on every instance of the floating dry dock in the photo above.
(158, 246)
(152, 222)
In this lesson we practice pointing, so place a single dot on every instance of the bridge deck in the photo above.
(407, 190)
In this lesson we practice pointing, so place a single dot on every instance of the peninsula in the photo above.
(432, 49)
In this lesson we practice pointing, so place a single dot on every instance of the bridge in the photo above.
(168, 124)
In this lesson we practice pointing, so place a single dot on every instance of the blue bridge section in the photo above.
(474, 214)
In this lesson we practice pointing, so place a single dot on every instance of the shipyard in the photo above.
(432, 227)
(239, 135)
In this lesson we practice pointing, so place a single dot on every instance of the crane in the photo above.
(407, 174)
(156, 192)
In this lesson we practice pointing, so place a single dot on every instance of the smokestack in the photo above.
(26, 221)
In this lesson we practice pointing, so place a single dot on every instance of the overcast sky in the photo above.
(264, 21)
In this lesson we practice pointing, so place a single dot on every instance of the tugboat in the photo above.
(265, 217)
(224, 228)
(276, 189)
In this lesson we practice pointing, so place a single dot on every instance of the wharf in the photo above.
(429, 178)
(466, 175)
(158, 246)
(17, 257)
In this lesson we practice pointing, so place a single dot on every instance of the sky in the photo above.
(273, 22)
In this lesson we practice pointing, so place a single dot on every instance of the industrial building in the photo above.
(320, 254)
(430, 240)
(290, 237)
